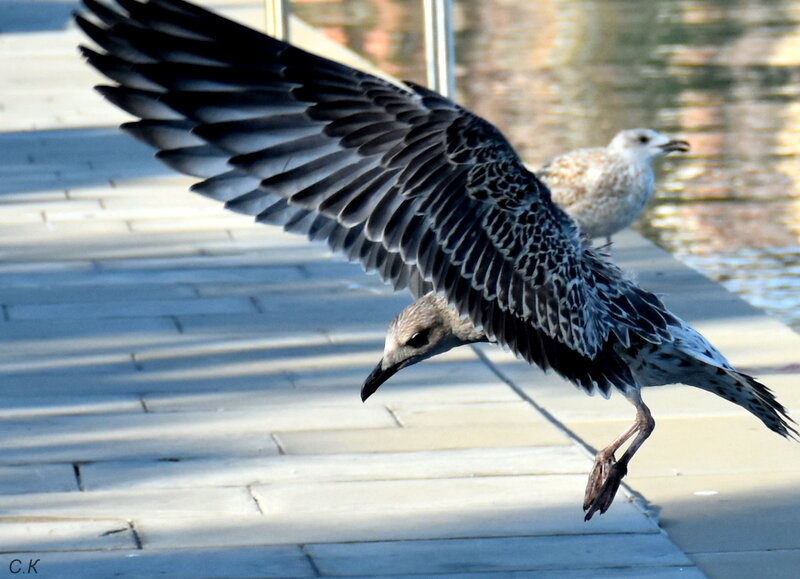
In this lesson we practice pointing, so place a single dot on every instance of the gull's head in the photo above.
(644, 145)
(426, 328)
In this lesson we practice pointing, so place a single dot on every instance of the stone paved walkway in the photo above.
(179, 392)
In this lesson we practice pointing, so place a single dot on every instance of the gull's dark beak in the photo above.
(673, 146)
(378, 376)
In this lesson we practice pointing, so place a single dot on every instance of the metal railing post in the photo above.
(277, 16)
(439, 54)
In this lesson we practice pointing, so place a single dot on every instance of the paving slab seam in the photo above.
(137, 539)
(278, 443)
(76, 468)
(393, 413)
(538, 573)
(745, 551)
(311, 562)
(478, 537)
(256, 501)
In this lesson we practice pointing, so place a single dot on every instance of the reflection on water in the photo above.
(555, 75)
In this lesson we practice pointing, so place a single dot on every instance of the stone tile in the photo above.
(178, 434)
(39, 177)
(124, 209)
(377, 337)
(423, 438)
(307, 312)
(13, 214)
(231, 563)
(327, 360)
(29, 273)
(396, 524)
(227, 255)
(37, 478)
(75, 363)
(149, 446)
(266, 235)
(93, 383)
(122, 247)
(467, 414)
(254, 420)
(750, 513)
(62, 232)
(526, 505)
(48, 207)
(78, 294)
(246, 325)
(171, 503)
(23, 405)
(435, 381)
(185, 221)
(168, 436)
(159, 272)
(490, 555)
(334, 467)
(343, 309)
(669, 572)
(136, 188)
(245, 400)
(770, 564)
(283, 350)
(335, 267)
(271, 342)
(711, 445)
(138, 308)
(165, 202)
(296, 284)
(15, 198)
(38, 536)
(393, 395)
(36, 338)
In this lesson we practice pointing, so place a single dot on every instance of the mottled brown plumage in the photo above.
(605, 189)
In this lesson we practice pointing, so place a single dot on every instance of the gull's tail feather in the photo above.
(751, 395)
(691, 359)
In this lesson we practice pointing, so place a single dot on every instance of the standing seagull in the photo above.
(605, 189)
(396, 177)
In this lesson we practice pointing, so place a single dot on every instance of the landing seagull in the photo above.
(605, 189)
(429, 327)
(398, 178)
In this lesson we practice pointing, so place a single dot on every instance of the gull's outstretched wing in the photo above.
(399, 178)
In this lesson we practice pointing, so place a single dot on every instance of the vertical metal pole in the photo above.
(439, 46)
(277, 16)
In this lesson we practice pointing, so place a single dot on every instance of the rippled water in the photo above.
(555, 75)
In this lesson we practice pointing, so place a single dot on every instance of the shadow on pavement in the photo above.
(35, 15)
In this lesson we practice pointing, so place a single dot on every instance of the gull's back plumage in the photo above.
(400, 179)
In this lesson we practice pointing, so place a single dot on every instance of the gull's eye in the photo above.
(419, 339)
(644, 139)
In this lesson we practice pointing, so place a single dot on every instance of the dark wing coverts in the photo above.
(398, 178)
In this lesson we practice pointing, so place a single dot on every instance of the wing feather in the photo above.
(401, 179)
